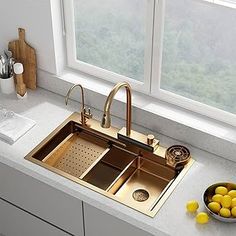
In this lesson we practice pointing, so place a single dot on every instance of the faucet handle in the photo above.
(150, 139)
(88, 113)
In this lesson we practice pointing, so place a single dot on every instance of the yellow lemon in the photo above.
(217, 198)
(232, 193)
(233, 202)
(233, 211)
(202, 218)
(221, 190)
(225, 212)
(214, 206)
(226, 201)
(192, 206)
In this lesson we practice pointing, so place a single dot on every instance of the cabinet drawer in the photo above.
(41, 200)
(15, 222)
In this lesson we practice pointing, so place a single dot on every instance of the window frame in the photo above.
(153, 59)
(100, 72)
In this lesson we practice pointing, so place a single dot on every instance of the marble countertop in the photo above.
(48, 110)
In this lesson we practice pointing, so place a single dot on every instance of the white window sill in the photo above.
(153, 114)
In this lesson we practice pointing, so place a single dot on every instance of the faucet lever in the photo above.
(88, 113)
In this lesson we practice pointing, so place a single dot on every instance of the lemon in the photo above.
(233, 202)
(226, 201)
(232, 193)
(225, 212)
(217, 198)
(221, 190)
(202, 218)
(214, 206)
(233, 211)
(192, 206)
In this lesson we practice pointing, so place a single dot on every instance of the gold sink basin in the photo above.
(143, 183)
(95, 158)
(109, 168)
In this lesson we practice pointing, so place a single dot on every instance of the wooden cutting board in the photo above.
(25, 54)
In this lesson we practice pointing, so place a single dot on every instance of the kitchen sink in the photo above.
(97, 159)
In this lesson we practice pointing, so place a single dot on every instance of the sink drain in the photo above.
(140, 195)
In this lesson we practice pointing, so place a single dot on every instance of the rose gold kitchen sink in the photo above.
(98, 160)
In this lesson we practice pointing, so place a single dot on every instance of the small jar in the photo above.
(7, 86)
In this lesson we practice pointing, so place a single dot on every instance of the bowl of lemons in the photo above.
(220, 201)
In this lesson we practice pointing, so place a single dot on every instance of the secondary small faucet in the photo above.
(84, 114)
(106, 119)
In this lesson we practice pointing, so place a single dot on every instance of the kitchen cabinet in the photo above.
(99, 223)
(41, 200)
(30, 207)
(16, 222)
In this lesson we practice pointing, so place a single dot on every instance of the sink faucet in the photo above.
(147, 142)
(106, 119)
(84, 114)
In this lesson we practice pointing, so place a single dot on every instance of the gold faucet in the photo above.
(147, 142)
(84, 114)
(106, 119)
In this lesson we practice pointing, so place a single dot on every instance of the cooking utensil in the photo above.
(25, 54)
(6, 65)
(3, 66)
(20, 86)
(10, 66)
(8, 54)
(210, 192)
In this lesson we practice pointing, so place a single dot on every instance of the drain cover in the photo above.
(140, 195)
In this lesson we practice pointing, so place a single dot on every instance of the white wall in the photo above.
(35, 17)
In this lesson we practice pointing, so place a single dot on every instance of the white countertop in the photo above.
(48, 110)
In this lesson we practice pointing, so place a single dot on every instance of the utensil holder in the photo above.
(7, 86)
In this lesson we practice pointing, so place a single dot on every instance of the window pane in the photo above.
(111, 34)
(227, 3)
(199, 54)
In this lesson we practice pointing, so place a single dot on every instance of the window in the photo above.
(111, 39)
(182, 52)
(226, 3)
(113, 36)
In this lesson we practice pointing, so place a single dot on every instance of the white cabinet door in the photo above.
(15, 222)
(99, 223)
(42, 200)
